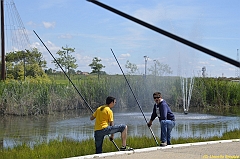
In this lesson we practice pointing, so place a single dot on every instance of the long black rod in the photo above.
(134, 96)
(64, 72)
(70, 81)
(170, 35)
(3, 70)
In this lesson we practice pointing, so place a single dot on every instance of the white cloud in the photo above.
(213, 59)
(49, 24)
(125, 55)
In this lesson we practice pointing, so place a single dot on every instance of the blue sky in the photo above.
(93, 31)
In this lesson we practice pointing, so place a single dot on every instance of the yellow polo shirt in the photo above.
(103, 116)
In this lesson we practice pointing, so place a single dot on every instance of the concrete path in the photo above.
(213, 149)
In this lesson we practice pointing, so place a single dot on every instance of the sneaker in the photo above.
(126, 148)
(163, 144)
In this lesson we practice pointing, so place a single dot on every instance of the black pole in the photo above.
(24, 64)
(64, 72)
(170, 35)
(71, 82)
(135, 97)
(3, 70)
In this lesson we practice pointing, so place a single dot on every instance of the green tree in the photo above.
(27, 57)
(132, 67)
(160, 69)
(72, 71)
(49, 71)
(66, 60)
(28, 63)
(17, 72)
(96, 66)
(35, 57)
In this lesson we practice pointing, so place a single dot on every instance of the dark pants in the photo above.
(99, 135)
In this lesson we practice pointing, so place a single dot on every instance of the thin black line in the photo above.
(168, 34)
(64, 72)
(134, 96)
(70, 81)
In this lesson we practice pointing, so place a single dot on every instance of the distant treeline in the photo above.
(209, 95)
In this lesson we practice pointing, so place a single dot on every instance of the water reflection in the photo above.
(76, 125)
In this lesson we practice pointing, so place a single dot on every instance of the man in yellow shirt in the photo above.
(104, 125)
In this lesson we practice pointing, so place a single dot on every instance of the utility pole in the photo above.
(204, 71)
(24, 64)
(3, 71)
(146, 58)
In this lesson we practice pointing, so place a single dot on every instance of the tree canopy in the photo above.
(96, 66)
(65, 59)
(25, 63)
(132, 67)
(160, 69)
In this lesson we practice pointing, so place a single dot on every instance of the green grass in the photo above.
(56, 149)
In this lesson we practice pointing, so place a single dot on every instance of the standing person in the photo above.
(165, 116)
(104, 125)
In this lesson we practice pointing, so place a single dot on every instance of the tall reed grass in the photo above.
(209, 95)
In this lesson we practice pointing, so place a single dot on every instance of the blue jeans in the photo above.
(166, 128)
(99, 135)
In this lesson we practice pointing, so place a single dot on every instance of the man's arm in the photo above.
(149, 124)
(153, 116)
(92, 117)
(111, 123)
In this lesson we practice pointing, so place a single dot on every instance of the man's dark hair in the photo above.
(110, 100)
(157, 93)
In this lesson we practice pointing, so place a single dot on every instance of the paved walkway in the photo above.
(214, 149)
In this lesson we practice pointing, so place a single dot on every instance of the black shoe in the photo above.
(126, 148)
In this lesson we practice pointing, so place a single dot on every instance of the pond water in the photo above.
(76, 125)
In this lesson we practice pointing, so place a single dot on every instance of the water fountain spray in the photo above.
(187, 87)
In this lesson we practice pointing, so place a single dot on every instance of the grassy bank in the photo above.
(56, 149)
